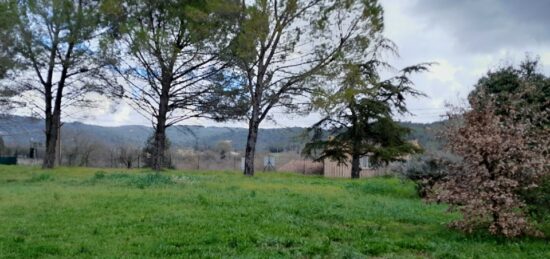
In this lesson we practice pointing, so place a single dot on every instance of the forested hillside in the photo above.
(20, 131)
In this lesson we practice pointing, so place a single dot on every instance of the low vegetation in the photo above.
(75, 212)
(425, 170)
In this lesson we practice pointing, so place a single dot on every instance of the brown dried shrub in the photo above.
(501, 155)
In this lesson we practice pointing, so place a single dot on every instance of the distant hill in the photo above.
(20, 131)
(426, 134)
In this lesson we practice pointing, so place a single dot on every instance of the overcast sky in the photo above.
(465, 38)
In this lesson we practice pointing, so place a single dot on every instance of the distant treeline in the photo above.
(18, 131)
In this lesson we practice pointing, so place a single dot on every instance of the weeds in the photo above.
(40, 178)
(134, 180)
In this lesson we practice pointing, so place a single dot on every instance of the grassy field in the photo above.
(114, 213)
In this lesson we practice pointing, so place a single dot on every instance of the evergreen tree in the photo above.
(358, 114)
(503, 86)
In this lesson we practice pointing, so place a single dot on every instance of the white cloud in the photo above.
(545, 59)
(443, 71)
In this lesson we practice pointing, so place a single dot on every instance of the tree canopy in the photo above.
(167, 53)
(55, 42)
(520, 87)
(282, 45)
(358, 112)
(7, 59)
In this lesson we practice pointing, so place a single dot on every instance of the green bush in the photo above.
(425, 171)
(538, 200)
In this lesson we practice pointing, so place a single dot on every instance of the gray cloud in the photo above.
(488, 25)
(466, 38)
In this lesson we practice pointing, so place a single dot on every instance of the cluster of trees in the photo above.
(224, 60)
(83, 150)
(239, 60)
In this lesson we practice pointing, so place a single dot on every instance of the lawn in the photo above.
(75, 212)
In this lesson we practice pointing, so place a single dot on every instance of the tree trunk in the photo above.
(160, 144)
(52, 126)
(355, 167)
(53, 119)
(160, 132)
(355, 156)
(250, 152)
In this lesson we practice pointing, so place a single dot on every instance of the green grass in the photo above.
(75, 212)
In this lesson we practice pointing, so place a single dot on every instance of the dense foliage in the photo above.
(425, 170)
(538, 200)
(7, 53)
(503, 144)
(516, 87)
(8, 60)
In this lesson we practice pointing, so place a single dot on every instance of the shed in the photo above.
(334, 170)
